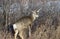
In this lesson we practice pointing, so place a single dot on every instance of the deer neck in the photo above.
(33, 17)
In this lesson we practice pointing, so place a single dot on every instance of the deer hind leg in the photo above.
(16, 33)
(24, 34)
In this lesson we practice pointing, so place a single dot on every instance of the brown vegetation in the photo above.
(46, 26)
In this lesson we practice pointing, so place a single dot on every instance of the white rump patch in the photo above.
(14, 26)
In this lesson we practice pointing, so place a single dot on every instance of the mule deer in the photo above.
(22, 26)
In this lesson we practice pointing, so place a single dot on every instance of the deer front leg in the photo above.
(30, 31)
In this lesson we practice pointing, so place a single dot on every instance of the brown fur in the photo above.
(23, 26)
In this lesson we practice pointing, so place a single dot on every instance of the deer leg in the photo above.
(20, 35)
(16, 33)
(29, 31)
(24, 34)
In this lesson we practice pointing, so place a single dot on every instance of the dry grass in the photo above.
(47, 26)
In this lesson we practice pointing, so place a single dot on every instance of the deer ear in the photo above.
(33, 11)
(38, 10)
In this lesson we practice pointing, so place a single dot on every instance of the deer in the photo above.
(22, 26)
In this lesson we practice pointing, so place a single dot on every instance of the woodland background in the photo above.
(47, 26)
